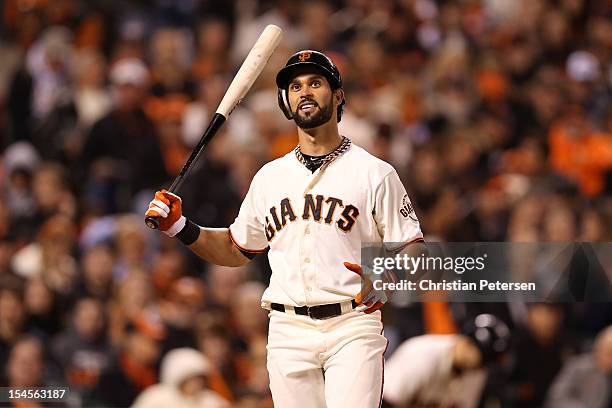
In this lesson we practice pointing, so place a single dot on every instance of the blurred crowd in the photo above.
(496, 114)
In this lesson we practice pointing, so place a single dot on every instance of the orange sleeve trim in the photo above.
(250, 251)
(405, 244)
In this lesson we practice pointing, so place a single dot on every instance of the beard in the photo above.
(308, 121)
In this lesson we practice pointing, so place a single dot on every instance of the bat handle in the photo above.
(152, 222)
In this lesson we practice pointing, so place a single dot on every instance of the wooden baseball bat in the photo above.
(247, 74)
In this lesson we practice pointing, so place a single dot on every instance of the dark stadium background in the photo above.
(496, 114)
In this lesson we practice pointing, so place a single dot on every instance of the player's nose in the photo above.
(305, 91)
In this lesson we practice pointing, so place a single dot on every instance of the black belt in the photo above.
(315, 312)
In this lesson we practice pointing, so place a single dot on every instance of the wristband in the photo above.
(176, 227)
(190, 233)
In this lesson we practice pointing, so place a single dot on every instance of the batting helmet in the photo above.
(490, 334)
(319, 62)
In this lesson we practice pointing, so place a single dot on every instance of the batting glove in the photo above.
(167, 208)
(370, 297)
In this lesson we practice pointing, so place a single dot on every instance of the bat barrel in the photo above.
(250, 69)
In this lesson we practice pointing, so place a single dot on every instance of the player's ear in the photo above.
(339, 95)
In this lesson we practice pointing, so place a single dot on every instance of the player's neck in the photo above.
(320, 140)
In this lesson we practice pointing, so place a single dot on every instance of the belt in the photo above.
(314, 312)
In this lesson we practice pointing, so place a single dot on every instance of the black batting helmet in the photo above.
(491, 335)
(319, 63)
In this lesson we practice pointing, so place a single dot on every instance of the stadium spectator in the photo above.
(96, 279)
(131, 298)
(122, 150)
(51, 188)
(50, 257)
(20, 163)
(82, 350)
(497, 116)
(584, 380)
(133, 369)
(26, 364)
(130, 246)
(183, 376)
(539, 349)
(42, 308)
(12, 320)
(178, 311)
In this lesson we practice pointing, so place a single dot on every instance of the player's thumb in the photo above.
(353, 267)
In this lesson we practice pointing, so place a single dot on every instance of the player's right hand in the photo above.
(373, 299)
(168, 210)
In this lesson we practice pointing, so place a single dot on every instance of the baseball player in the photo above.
(313, 208)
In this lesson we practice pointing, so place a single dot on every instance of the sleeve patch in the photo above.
(407, 210)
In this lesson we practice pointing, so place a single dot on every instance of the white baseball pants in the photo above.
(333, 363)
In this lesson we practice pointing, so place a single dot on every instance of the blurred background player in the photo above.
(446, 370)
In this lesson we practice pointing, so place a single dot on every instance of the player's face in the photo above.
(311, 100)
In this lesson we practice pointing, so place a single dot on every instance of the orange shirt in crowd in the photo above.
(167, 113)
(584, 158)
(438, 318)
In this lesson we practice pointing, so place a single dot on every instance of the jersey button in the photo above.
(307, 230)
(306, 260)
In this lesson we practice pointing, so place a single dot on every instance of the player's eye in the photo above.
(316, 83)
(294, 87)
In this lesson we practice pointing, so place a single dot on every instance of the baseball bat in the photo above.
(242, 82)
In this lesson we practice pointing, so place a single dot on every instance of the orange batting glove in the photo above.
(167, 208)
(370, 297)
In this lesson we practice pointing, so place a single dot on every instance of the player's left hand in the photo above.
(167, 208)
(370, 297)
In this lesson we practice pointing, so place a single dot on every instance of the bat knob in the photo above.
(152, 222)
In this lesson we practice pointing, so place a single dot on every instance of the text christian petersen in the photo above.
(421, 266)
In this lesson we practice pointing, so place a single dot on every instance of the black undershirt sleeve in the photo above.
(249, 255)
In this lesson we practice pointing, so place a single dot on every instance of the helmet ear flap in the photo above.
(283, 103)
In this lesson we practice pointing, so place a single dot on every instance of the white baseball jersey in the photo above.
(420, 373)
(313, 222)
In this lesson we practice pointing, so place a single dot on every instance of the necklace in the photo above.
(316, 162)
